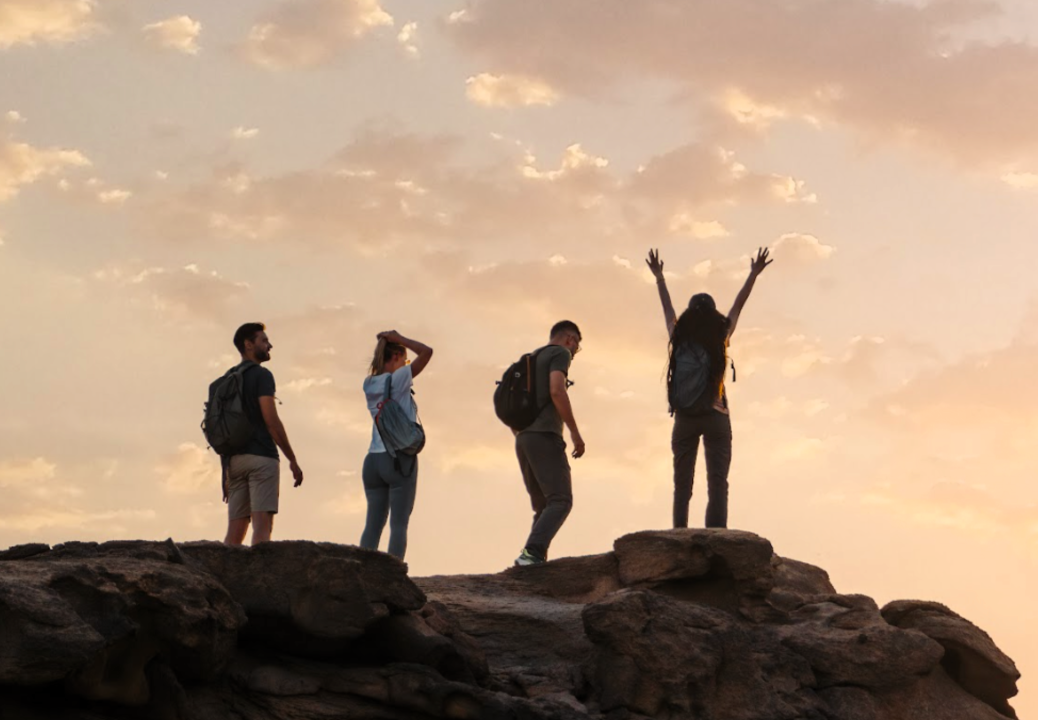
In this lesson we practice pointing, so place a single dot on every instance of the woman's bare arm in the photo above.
(756, 268)
(423, 352)
(656, 266)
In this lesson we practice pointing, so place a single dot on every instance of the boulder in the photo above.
(847, 642)
(96, 623)
(308, 598)
(660, 657)
(727, 569)
(800, 578)
(971, 658)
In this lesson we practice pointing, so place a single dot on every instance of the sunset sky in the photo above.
(470, 172)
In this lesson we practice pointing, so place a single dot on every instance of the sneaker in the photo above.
(528, 558)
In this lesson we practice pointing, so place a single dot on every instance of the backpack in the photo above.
(225, 424)
(399, 433)
(690, 391)
(515, 398)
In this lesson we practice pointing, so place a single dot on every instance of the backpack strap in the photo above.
(388, 396)
(240, 368)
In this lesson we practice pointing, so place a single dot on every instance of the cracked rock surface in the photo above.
(675, 624)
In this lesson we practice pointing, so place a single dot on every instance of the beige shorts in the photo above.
(252, 486)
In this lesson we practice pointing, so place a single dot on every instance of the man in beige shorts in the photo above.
(252, 476)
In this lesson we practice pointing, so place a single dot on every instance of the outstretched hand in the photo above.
(757, 266)
(654, 263)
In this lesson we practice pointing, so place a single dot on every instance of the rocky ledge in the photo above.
(697, 624)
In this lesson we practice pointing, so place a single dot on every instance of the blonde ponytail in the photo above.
(384, 350)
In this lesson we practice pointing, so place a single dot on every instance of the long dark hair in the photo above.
(701, 323)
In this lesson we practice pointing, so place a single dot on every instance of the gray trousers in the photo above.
(716, 430)
(545, 468)
(391, 494)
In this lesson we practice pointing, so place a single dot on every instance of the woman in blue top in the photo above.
(390, 486)
(698, 357)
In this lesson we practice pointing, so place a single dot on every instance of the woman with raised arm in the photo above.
(390, 483)
(698, 357)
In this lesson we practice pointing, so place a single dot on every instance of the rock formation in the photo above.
(677, 624)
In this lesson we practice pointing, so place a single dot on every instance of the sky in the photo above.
(468, 172)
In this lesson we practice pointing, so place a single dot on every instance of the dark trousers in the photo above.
(545, 468)
(716, 430)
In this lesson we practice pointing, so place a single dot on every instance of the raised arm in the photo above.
(656, 266)
(756, 268)
(424, 352)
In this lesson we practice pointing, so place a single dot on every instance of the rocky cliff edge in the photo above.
(677, 624)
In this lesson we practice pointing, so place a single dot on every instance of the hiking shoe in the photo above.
(528, 558)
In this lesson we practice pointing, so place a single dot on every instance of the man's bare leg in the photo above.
(262, 526)
(236, 530)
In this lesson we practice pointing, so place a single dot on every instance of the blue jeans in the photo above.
(391, 494)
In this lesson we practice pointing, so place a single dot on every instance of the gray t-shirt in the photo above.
(550, 358)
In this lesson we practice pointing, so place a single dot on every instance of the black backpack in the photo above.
(225, 424)
(515, 399)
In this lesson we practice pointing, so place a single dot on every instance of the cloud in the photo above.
(178, 33)
(684, 224)
(958, 505)
(388, 187)
(799, 450)
(303, 384)
(895, 72)
(696, 174)
(1021, 180)
(243, 133)
(29, 22)
(800, 249)
(115, 196)
(23, 164)
(406, 37)
(307, 33)
(14, 117)
(26, 472)
(192, 469)
(32, 484)
(509, 91)
(746, 112)
(110, 522)
(178, 293)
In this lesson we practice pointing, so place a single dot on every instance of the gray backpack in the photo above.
(689, 391)
(225, 424)
(400, 434)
